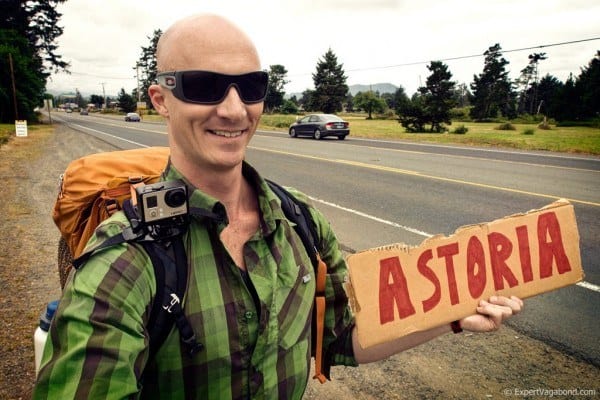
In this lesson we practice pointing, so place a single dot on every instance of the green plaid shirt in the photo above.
(98, 343)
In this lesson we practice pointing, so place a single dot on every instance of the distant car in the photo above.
(132, 117)
(68, 110)
(319, 126)
(83, 112)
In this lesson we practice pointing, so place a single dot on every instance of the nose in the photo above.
(232, 107)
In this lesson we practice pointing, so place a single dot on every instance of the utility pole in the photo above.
(137, 78)
(104, 94)
(14, 89)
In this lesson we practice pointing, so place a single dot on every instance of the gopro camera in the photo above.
(162, 203)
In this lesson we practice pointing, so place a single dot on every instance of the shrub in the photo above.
(528, 131)
(507, 126)
(544, 125)
(461, 130)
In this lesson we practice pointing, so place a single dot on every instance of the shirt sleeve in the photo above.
(97, 343)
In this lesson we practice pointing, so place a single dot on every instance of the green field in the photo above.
(563, 139)
(583, 140)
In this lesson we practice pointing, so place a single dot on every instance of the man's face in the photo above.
(211, 137)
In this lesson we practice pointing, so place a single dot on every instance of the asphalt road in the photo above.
(382, 192)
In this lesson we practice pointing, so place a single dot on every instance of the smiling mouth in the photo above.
(227, 134)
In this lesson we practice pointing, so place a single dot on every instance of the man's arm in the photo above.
(489, 317)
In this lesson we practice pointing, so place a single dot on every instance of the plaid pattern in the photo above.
(97, 346)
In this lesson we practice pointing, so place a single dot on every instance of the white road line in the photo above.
(583, 284)
(108, 134)
(589, 286)
(377, 219)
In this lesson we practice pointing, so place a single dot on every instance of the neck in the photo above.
(228, 186)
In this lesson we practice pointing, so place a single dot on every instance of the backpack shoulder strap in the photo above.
(297, 212)
(169, 261)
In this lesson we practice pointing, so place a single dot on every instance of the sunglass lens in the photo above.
(253, 86)
(201, 86)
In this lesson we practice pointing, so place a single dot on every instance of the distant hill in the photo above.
(377, 87)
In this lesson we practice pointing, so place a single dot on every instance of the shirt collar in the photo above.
(269, 203)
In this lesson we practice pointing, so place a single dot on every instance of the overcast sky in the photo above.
(376, 40)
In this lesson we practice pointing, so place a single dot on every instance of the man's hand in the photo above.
(491, 314)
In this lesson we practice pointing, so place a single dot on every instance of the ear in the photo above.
(155, 92)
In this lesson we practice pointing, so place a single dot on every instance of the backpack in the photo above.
(95, 186)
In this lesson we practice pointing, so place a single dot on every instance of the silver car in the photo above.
(133, 117)
(319, 126)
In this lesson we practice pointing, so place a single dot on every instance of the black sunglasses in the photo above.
(207, 87)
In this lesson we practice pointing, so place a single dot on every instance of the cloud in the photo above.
(376, 41)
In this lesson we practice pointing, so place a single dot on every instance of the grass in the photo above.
(579, 139)
(583, 140)
(7, 132)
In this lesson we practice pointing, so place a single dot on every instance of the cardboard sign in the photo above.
(397, 290)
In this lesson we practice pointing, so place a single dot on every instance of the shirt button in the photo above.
(249, 314)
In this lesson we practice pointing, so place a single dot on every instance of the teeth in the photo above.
(227, 134)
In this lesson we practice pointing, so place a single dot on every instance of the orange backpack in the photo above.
(95, 186)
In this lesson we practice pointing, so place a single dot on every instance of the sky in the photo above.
(376, 41)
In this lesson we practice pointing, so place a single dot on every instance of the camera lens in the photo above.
(175, 198)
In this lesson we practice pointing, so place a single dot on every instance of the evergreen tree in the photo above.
(330, 85)
(492, 90)
(147, 68)
(275, 90)
(588, 86)
(549, 91)
(28, 31)
(528, 99)
(400, 100)
(432, 104)
(127, 102)
(438, 95)
(566, 103)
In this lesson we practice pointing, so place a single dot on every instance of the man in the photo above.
(251, 287)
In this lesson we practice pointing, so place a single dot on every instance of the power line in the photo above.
(477, 55)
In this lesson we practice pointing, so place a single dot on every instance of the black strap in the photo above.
(171, 274)
(298, 213)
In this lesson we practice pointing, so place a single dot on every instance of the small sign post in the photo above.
(21, 128)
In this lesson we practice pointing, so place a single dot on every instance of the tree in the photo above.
(461, 95)
(275, 90)
(289, 107)
(126, 101)
(306, 101)
(330, 85)
(588, 86)
(492, 90)
(528, 101)
(97, 100)
(369, 102)
(400, 100)
(411, 114)
(28, 31)
(438, 95)
(549, 89)
(146, 66)
(432, 103)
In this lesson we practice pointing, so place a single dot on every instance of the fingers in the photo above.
(491, 313)
(514, 303)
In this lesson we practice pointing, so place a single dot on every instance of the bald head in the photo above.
(206, 42)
